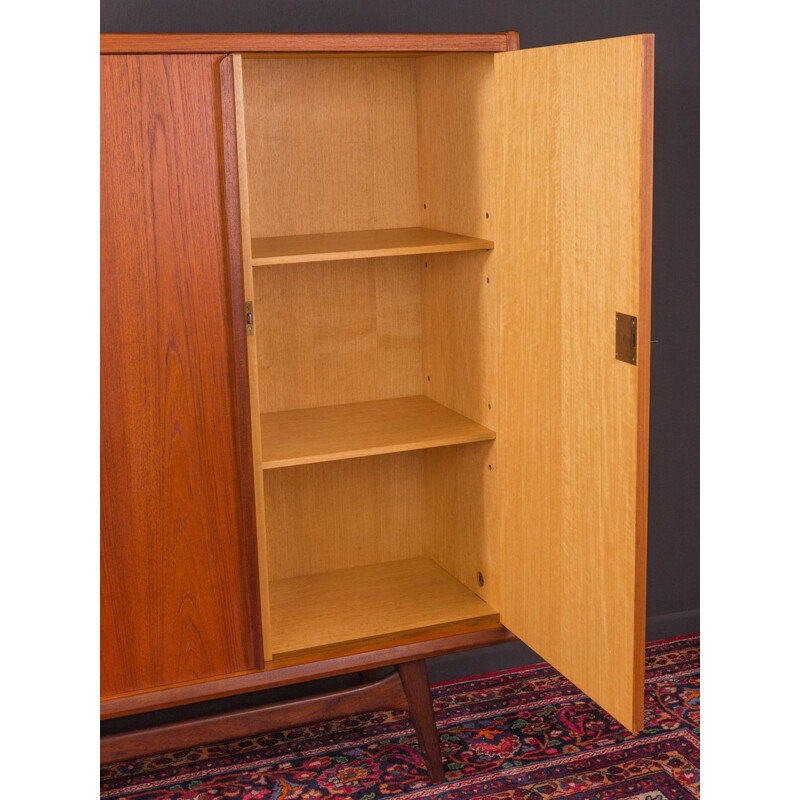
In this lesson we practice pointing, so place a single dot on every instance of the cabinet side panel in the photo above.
(174, 588)
(456, 129)
(570, 256)
(232, 93)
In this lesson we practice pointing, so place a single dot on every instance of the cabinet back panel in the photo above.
(332, 144)
(174, 601)
(338, 332)
(339, 514)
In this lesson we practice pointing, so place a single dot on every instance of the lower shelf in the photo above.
(360, 603)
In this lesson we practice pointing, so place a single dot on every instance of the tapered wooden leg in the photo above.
(414, 676)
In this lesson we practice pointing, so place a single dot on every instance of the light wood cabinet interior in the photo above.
(368, 247)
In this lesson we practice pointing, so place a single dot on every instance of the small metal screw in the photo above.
(487, 280)
(490, 467)
(424, 205)
(487, 215)
(429, 377)
(480, 579)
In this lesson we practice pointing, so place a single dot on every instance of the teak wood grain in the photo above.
(354, 430)
(361, 244)
(387, 693)
(643, 347)
(414, 675)
(174, 588)
(322, 663)
(573, 190)
(308, 42)
(364, 602)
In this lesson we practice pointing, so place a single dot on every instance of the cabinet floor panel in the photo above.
(361, 603)
(331, 433)
(360, 244)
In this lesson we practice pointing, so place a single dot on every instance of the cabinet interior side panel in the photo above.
(340, 514)
(460, 510)
(252, 354)
(332, 144)
(338, 332)
(455, 129)
(455, 96)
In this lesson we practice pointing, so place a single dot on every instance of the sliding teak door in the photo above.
(574, 143)
(178, 601)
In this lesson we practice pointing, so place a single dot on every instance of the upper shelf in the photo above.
(330, 433)
(360, 244)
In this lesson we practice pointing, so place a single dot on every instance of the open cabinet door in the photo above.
(574, 149)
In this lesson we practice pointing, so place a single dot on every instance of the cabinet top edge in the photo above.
(140, 43)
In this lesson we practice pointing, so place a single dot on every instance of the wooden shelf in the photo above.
(361, 603)
(360, 244)
(331, 433)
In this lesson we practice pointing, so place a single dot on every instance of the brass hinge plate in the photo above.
(248, 316)
(626, 338)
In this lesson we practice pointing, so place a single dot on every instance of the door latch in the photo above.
(626, 338)
(248, 316)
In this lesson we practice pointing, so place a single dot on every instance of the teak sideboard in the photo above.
(375, 340)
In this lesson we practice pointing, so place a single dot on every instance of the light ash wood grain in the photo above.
(252, 356)
(570, 177)
(348, 513)
(354, 430)
(361, 244)
(456, 124)
(332, 145)
(342, 332)
(370, 601)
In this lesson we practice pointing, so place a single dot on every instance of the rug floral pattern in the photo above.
(525, 733)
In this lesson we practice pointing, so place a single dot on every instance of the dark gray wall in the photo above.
(673, 593)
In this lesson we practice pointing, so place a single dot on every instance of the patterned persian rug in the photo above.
(524, 733)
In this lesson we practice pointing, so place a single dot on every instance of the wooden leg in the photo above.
(414, 676)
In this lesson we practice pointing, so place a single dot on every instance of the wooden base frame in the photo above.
(405, 689)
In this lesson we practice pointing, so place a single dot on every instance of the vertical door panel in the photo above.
(573, 249)
(176, 590)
